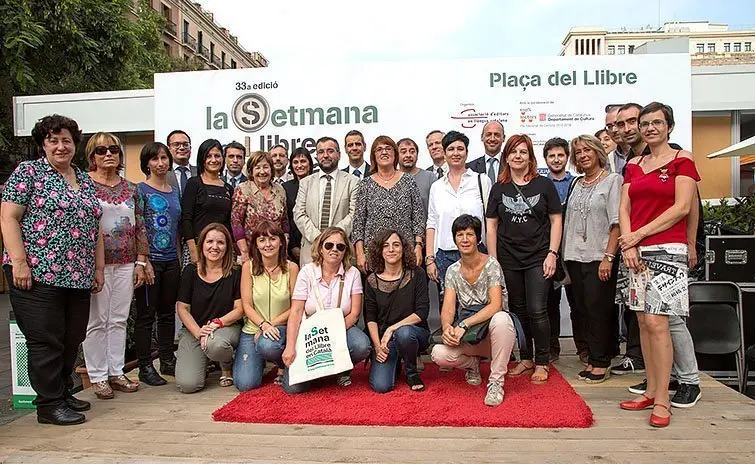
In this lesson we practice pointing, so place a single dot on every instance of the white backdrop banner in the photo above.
(542, 97)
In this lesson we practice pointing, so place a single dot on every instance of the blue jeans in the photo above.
(251, 357)
(359, 348)
(406, 344)
(443, 260)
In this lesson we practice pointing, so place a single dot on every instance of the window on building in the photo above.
(212, 50)
(746, 163)
(233, 64)
(222, 58)
(631, 49)
(200, 38)
(700, 48)
(622, 50)
(727, 47)
(737, 46)
(612, 49)
(748, 46)
(711, 48)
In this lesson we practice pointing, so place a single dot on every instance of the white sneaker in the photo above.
(472, 375)
(495, 394)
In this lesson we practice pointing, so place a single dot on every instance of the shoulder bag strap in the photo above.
(568, 193)
(482, 194)
(340, 293)
(526, 201)
(316, 291)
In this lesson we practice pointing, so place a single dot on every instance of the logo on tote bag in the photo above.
(319, 352)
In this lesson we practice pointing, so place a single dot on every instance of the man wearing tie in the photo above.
(179, 144)
(490, 163)
(355, 146)
(235, 154)
(279, 155)
(326, 198)
(435, 148)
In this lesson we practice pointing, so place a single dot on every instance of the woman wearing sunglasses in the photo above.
(337, 281)
(126, 251)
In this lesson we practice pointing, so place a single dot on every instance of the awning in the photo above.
(744, 148)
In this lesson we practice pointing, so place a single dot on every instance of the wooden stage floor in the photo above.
(159, 424)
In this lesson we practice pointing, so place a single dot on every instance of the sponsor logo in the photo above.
(469, 117)
(251, 112)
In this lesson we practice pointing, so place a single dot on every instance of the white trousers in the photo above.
(105, 343)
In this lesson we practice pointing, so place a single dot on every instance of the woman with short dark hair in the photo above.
(207, 197)
(301, 167)
(395, 311)
(54, 259)
(157, 300)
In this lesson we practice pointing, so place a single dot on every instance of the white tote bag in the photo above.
(321, 348)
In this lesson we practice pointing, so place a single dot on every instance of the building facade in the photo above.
(192, 32)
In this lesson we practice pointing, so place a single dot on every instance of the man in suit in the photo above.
(279, 155)
(179, 144)
(435, 148)
(355, 146)
(491, 163)
(326, 198)
(235, 154)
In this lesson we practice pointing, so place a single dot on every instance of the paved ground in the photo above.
(7, 413)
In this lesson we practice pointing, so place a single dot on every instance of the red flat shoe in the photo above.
(637, 405)
(658, 421)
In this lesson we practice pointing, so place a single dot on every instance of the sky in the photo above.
(399, 30)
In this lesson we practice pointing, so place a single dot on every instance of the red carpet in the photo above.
(447, 401)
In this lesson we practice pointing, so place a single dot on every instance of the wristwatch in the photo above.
(609, 257)
(462, 325)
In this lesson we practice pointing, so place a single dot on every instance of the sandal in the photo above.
(278, 378)
(415, 383)
(102, 390)
(539, 379)
(521, 369)
(226, 380)
(123, 383)
(344, 379)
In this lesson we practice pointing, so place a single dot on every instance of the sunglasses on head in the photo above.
(102, 150)
(339, 246)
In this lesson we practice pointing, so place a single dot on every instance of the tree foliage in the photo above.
(62, 46)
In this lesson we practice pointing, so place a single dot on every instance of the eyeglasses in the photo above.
(180, 144)
(384, 150)
(102, 151)
(656, 123)
(339, 246)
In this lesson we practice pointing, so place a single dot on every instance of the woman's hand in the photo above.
(418, 254)
(149, 274)
(203, 342)
(692, 254)
(289, 354)
(271, 332)
(604, 270)
(22, 276)
(432, 272)
(632, 259)
(194, 254)
(549, 266)
(386, 340)
(140, 276)
(630, 240)
(361, 262)
(381, 355)
(450, 336)
(99, 280)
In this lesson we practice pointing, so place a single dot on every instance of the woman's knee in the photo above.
(381, 384)
(245, 380)
(270, 350)
(443, 356)
(655, 324)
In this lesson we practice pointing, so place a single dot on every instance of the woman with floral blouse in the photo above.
(257, 200)
(54, 258)
(126, 252)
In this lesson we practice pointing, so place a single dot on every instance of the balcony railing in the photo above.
(190, 42)
(215, 60)
(204, 52)
(171, 28)
(226, 66)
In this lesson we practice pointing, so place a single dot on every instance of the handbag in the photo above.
(476, 333)
(321, 346)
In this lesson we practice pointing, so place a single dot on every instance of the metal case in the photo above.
(730, 258)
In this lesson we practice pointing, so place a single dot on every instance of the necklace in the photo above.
(270, 271)
(584, 196)
(590, 182)
(383, 179)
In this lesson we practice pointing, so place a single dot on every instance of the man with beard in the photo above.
(434, 147)
(235, 153)
(326, 198)
(355, 146)
(490, 163)
(616, 158)
(407, 160)
(279, 155)
(179, 144)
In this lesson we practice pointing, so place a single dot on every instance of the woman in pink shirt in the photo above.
(331, 265)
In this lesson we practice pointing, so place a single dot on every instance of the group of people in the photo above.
(498, 239)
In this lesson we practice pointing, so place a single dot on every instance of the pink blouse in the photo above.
(311, 274)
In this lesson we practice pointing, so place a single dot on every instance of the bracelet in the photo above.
(609, 255)
(217, 321)
(140, 263)
(429, 259)
(263, 323)
(553, 252)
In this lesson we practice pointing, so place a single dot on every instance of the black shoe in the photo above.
(168, 368)
(628, 366)
(62, 415)
(148, 374)
(686, 396)
(597, 378)
(77, 404)
(642, 387)
(582, 375)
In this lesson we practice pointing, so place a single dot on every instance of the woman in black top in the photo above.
(524, 231)
(301, 167)
(209, 305)
(396, 308)
(206, 198)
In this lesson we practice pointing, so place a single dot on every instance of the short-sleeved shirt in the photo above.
(122, 222)
(162, 215)
(59, 226)
(591, 212)
(478, 293)
(523, 238)
(653, 193)
(311, 274)
(209, 300)
(562, 185)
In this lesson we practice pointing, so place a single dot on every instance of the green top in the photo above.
(271, 298)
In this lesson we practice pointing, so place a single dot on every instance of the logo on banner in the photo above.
(251, 112)
(469, 117)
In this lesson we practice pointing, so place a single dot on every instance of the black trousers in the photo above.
(54, 321)
(528, 299)
(157, 301)
(554, 317)
(594, 299)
